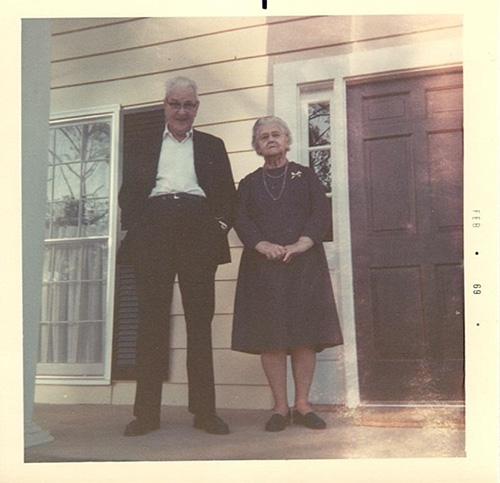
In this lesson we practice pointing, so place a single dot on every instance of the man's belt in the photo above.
(178, 196)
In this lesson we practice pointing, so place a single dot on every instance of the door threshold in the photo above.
(458, 405)
(412, 415)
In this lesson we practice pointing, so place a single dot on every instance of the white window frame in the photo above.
(309, 94)
(82, 115)
(340, 70)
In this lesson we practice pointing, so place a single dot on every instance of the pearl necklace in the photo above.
(283, 183)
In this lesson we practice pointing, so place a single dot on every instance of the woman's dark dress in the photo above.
(281, 306)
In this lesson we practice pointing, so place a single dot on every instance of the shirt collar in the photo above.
(167, 133)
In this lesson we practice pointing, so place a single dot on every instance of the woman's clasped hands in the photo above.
(276, 252)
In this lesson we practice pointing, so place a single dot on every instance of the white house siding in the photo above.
(126, 61)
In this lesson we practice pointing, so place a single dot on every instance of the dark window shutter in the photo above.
(126, 321)
(140, 133)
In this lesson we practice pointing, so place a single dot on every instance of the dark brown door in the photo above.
(405, 188)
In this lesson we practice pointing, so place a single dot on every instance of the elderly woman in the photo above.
(284, 301)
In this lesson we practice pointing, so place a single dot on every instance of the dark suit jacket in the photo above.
(214, 176)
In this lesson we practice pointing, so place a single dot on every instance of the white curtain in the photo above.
(73, 303)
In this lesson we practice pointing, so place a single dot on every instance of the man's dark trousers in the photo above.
(175, 236)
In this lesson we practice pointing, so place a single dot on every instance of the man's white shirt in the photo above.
(176, 173)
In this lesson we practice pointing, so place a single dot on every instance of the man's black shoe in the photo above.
(211, 424)
(138, 427)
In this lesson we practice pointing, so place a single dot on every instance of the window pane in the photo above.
(65, 219)
(58, 343)
(48, 220)
(74, 301)
(94, 261)
(68, 144)
(50, 182)
(90, 347)
(63, 263)
(46, 300)
(319, 123)
(47, 262)
(97, 137)
(93, 301)
(95, 217)
(67, 181)
(44, 348)
(81, 142)
(75, 261)
(95, 179)
(52, 143)
(64, 342)
(320, 162)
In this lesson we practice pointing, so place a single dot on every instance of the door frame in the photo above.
(343, 70)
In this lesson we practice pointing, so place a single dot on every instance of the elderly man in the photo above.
(177, 205)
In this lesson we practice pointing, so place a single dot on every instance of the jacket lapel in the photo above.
(199, 155)
(157, 150)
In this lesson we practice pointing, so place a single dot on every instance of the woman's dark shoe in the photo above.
(310, 420)
(277, 422)
(139, 427)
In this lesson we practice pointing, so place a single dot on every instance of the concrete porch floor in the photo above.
(95, 433)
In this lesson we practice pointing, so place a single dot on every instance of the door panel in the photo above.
(405, 184)
(390, 181)
(397, 309)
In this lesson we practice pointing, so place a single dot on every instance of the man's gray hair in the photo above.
(263, 121)
(180, 81)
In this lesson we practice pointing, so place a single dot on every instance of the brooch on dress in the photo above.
(295, 174)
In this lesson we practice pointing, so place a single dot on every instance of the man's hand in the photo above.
(300, 246)
(271, 251)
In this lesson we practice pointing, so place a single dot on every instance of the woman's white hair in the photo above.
(180, 81)
(263, 121)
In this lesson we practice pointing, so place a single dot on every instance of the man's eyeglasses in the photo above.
(187, 106)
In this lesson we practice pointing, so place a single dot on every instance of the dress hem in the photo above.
(317, 348)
